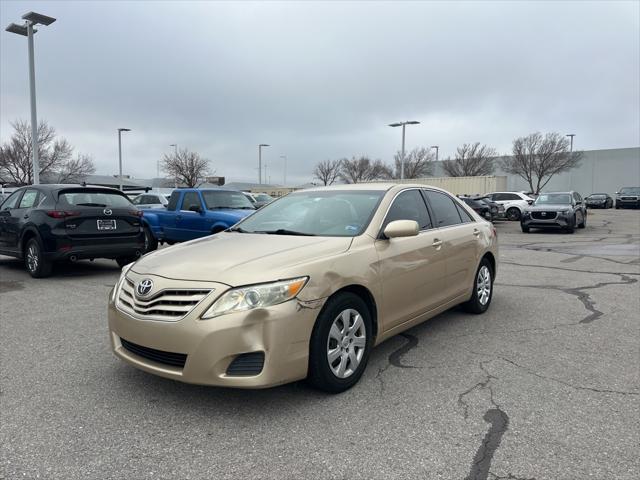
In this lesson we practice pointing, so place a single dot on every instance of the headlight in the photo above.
(118, 285)
(255, 296)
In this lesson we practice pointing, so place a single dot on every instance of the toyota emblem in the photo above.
(144, 287)
(107, 211)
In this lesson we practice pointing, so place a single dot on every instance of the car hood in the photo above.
(548, 207)
(240, 258)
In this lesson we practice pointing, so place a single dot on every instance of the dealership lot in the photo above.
(545, 385)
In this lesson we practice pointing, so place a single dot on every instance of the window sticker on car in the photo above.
(352, 228)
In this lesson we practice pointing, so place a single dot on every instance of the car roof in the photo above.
(375, 186)
(64, 186)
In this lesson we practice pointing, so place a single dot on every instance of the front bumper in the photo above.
(621, 203)
(281, 333)
(561, 221)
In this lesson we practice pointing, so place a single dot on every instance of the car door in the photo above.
(411, 269)
(20, 216)
(459, 234)
(8, 217)
(189, 223)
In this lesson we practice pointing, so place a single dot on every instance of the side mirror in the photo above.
(401, 228)
(195, 208)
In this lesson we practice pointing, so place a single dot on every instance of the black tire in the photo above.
(321, 376)
(584, 221)
(513, 214)
(122, 261)
(150, 242)
(525, 229)
(217, 230)
(571, 228)
(34, 261)
(617, 206)
(475, 305)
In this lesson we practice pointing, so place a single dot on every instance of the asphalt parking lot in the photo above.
(543, 386)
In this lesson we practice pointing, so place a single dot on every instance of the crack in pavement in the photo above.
(499, 424)
(395, 358)
(584, 297)
(565, 383)
(506, 262)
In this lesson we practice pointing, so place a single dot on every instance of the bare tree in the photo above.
(75, 170)
(362, 169)
(417, 163)
(536, 158)
(327, 171)
(188, 168)
(471, 160)
(55, 156)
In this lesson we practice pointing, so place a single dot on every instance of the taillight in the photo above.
(62, 213)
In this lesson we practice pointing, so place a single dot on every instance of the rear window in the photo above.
(93, 198)
(225, 199)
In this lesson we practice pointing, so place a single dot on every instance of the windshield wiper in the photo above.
(238, 229)
(284, 231)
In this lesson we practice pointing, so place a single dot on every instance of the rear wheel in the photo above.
(37, 265)
(513, 214)
(482, 289)
(584, 221)
(150, 242)
(340, 343)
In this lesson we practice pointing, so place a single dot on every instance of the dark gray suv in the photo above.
(558, 210)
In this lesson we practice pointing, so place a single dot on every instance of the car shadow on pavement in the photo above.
(82, 268)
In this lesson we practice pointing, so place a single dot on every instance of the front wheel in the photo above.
(513, 214)
(150, 242)
(525, 229)
(37, 265)
(482, 289)
(340, 343)
(584, 221)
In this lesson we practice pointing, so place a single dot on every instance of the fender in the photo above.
(30, 229)
(221, 225)
(151, 220)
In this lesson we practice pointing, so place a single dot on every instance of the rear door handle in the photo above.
(437, 243)
(26, 215)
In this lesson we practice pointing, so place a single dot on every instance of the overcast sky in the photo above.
(322, 80)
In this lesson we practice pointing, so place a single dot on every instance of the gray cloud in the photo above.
(322, 80)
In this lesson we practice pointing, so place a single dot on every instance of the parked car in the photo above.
(514, 203)
(628, 197)
(259, 200)
(497, 210)
(564, 210)
(276, 299)
(598, 200)
(150, 200)
(193, 213)
(43, 224)
(479, 207)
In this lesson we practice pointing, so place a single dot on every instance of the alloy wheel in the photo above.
(32, 258)
(346, 343)
(483, 285)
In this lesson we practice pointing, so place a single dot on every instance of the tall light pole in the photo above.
(403, 125)
(120, 130)
(31, 19)
(285, 169)
(571, 135)
(437, 149)
(260, 161)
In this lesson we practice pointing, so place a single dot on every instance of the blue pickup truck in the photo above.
(193, 213)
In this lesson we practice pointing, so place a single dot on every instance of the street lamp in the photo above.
(285, 169)
(403, 125)
(260, 161)
(27, 30)
(120, 130)
(437, 148)
(571, 135)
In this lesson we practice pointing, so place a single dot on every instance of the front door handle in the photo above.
(476, 232)
(437, 243)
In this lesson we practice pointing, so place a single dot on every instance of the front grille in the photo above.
(629, 198)
(166, 305)
(158, 356)
(246, 365)
(544, 215)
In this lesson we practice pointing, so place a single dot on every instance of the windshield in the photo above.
(226, 199)
(597, 196)
(88, 198)
(329, 213)
(554, 198)
(630, 191)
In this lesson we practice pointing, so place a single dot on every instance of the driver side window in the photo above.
(191, 199)
(12, 201)
(409, 205)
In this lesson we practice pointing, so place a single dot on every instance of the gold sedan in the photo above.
(303, 288)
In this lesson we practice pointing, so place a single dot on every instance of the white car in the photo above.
(150, 200)
(514, 203)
